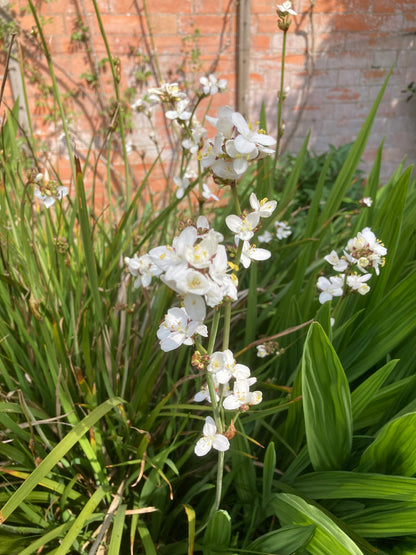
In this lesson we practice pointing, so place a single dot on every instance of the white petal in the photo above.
(220, 443)
(203, 447)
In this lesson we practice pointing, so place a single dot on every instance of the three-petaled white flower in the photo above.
(286, 7)
(47, 191)
(338, 264)
(251, 140)
(211, 85)
(264, 207)
(241, 396)
(177, 328)
(251, 252)
(243, 226)
(283, 230)
(332, 287)
(358, 283)
(211, 439)
(143, 269)
(180, 112)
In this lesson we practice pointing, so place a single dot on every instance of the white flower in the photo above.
(366, 201)
(283, 230)
(261, 351)
(357, 283)
(242, 396)
(249, 139)
(211, 439)
(243, 227)
(332, 287)
(181, 186)
(177, 329)
(251, 252)
(211, 85)
(338, 264)
(286, 7)
(224, 122)
(265, 237)
(180, 112)
(264, 207)
(46, 190)
(207, 193)
(143, 269)
(193, 143)
(240, 161)
(48, 200)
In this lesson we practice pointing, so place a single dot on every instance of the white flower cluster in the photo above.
(195, 266)
(364, 252)
(235, 145)
(223, 368)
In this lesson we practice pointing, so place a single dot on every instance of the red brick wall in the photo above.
(338, 54)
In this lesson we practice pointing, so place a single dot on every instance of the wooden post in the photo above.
(243, 56)
(14, 73)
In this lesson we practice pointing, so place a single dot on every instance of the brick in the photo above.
(207, 24)
(205, 6)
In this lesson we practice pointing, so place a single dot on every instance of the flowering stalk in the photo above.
(197, 267)
(280, 99)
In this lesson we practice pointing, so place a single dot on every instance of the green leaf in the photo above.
(285, 541)
(218, 533)
(361, 397)
(326, 403)
(385, 521)
(393, 450)
(268, 472)
(356, 485)
(56, 455)
(328, 538)
(81, 520)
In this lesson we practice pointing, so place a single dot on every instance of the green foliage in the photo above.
(98, 425)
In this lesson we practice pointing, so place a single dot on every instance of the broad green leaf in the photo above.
(384, 521)
(326, 403)
(381, 329)
(362, 395)
(218, 533)
(393, 450)
(285, 541)
(328, 538)
(359, 485)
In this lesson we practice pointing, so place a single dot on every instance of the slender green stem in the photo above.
(280, 99)
(220, 472)
(235, 198)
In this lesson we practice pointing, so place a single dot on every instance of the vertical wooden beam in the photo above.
(14, 73)
(243, 56)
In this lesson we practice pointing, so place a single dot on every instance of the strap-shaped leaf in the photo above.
(326, 403)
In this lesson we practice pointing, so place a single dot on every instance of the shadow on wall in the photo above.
(334, 75)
